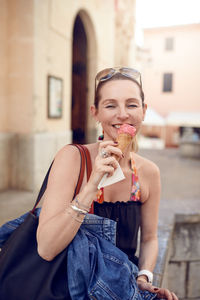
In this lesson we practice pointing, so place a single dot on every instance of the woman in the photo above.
(119, 100)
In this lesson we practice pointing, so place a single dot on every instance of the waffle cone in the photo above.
(123, 140)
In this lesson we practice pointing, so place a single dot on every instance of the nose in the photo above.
(122, 113)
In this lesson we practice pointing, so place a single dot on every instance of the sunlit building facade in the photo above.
(171, 72)
(50, 53)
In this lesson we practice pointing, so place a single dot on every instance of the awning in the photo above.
(183, 119)
(152, 118)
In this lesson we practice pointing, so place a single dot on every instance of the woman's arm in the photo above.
(149, 220)
(58, 222)
(149, 241)
(56, 226)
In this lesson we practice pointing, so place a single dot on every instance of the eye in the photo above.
(110, 106)
(132, 105)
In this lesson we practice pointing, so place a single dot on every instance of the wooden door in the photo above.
(79, 83)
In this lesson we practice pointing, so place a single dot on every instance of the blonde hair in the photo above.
(134, 146)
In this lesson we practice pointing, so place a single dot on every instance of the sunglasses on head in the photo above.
(108, 73)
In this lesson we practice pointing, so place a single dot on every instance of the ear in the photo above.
(144, 110)
(94, 112)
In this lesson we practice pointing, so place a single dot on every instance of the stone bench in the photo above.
(178, 263)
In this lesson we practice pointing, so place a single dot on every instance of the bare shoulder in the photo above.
(68, 160)
(93, 150)
(66, 165)
(68, 152)
(61, 182)
(146, 166)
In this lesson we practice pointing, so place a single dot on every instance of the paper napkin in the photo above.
(118, 175)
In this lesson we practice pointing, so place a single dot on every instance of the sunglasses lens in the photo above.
(130, 72)
(105, 74)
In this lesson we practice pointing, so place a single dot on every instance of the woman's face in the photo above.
(120, 103)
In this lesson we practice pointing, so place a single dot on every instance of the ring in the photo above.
(103, 153)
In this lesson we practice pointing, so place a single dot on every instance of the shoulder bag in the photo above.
(24, 275)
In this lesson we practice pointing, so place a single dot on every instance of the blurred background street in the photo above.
(180, 179)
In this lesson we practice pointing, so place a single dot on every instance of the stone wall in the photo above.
(36, 39)
(178, 263)
(124, 31)
(184, 261)
(31, 156)
(5, 159)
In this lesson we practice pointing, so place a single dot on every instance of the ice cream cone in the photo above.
(123, 140)
(126, 133)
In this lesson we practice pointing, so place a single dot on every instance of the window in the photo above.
(169, 44)
(167, 82)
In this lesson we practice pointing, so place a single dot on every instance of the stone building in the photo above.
(50, 51)
(171, 68)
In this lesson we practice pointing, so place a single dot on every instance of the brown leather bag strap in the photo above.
(89, 170)
(79, 182)
(82, 169)
(88, 161)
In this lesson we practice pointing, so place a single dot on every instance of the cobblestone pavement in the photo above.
(180, 178)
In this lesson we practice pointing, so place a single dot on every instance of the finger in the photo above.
(164, 293)
(109, 161)
(153, 289)
(111, 150)
(109, 170)
(101, 163)
(145, 286)
(174, 296)
(106, 143)
(103, 168)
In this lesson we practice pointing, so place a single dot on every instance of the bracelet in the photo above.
(76, 219)
(147, 273)
(81, 205)
(78, 210)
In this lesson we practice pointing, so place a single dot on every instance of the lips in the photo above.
(117, 126)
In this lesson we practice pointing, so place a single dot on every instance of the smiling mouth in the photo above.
(116, 126)
(119, 125)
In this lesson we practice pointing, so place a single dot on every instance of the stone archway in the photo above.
(84, 44)
(79, 82)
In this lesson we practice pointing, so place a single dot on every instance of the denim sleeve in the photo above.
(7, 229)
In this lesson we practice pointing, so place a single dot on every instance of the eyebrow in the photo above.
(108, 100)
(132, 99)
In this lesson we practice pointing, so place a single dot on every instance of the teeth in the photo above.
(117, 126)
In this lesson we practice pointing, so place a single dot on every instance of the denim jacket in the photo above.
(97, 269)
(7, 229)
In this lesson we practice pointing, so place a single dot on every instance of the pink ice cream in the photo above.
(125, 136)
(127, 129)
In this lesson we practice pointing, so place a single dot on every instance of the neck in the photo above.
(125, 162)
